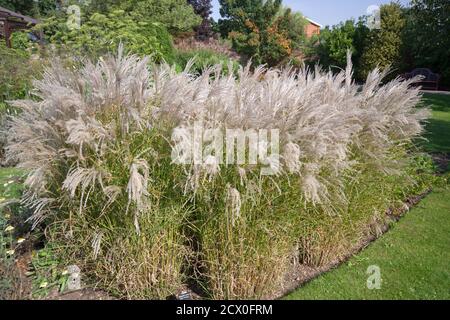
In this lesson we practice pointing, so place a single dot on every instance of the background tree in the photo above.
(294, 23)
(383, 46)
(176, 15)
(30, 7)
(255, 29)
(426, 37)
(203, 8)
(102, 33)
(333, 43)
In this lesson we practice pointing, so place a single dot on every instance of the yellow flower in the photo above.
(10, 252)
(64, 272)
(7, 216)
(9, 229)
(20, 240)
(2, 199)
(43, 284)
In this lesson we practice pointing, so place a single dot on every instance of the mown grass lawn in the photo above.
(414, 256)
(438, 127)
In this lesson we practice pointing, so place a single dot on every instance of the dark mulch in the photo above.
(442, 161)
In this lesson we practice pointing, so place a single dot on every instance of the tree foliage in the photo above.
(334, 43)
(294, 23)
(204, 9)
(177, 15)
(383, 46)
(331, 49)
(426, 37)
(102, 33)
(256, 30)
(30, 8)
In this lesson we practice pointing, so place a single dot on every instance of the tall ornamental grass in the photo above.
(97, 143)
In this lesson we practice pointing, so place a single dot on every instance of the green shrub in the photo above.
(17, 71)
(258, 29)
(383, 46)
(177, 16)
(425, 40)
(29, 8)
(102, 33)
(330, 47)
(20, 40)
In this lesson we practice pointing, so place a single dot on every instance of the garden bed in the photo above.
(297, 276)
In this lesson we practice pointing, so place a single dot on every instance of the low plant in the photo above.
(8, 275)
(46, 273)
(11, 242)
(16, 73)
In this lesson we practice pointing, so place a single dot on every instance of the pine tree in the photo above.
(256, 29)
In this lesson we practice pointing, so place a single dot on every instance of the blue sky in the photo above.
(326, 12)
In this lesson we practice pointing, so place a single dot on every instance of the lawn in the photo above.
(414, 256)
(438, 128)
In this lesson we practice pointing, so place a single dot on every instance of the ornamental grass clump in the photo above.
(98, 143)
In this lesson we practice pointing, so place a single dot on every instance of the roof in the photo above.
(5, 14)
(313, 22)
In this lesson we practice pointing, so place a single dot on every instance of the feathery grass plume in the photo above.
(96, 142)
(137, 187)
(324, 115)
(96, 243)
(234, 204)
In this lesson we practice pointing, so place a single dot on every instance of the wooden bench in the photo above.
(429, 81)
